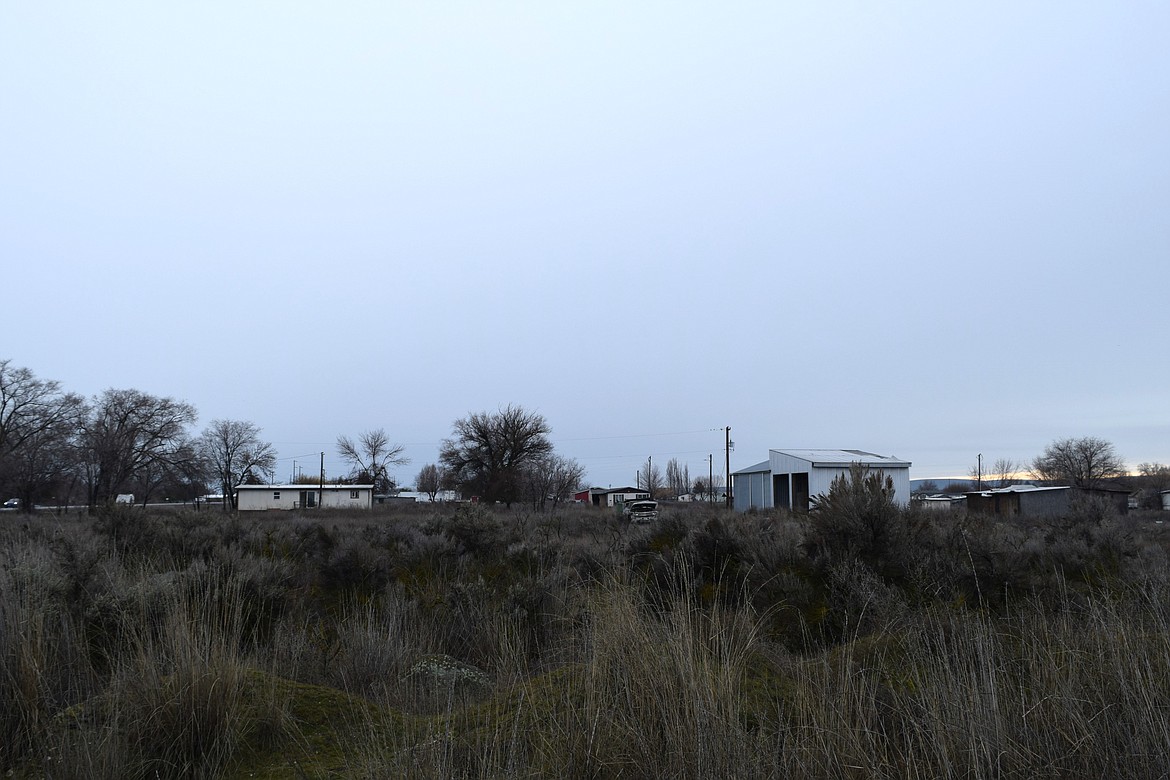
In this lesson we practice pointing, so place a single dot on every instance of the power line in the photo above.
(642, 455)
(306, 455)
(640, 435)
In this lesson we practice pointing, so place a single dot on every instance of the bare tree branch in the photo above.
(487, 450)
(1084, 462)
(371, 456)
(232, 450)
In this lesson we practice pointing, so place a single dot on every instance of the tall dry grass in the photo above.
(471, 643)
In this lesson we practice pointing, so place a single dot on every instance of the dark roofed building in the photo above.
(1033, 501)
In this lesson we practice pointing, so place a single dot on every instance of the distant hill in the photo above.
(942, 484)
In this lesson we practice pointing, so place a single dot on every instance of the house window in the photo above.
(353, 494)
(275, 495)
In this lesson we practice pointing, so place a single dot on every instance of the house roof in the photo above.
(327, 486)
(834, 458)
(1035, 488)
(1017, 489)
(756, 469)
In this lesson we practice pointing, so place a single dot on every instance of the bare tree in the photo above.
(1003, 473)
(430, 480)
(552, 478)
(678, 478)
(650, 478)
(38, 427)
(371, 456)
(1153, 478)
(126, 432)
(1084, 462)
(487, 451)
(718, 486)
(1157, 474)
(27, 404)
(183, 462)
(568, 477)
(232, 450)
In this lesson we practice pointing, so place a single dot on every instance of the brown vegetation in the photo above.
(457, 641)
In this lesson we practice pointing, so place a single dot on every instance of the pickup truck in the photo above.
(642, 510)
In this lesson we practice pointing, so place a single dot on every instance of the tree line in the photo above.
(677, 481)
(62, 447)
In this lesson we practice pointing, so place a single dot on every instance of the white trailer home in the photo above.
(257, 497)
(788, 479)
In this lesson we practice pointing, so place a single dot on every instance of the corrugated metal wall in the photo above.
(752, 491)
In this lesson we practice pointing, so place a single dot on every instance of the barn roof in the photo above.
(834, 458)
(756, 469)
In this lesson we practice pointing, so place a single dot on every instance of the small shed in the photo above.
(258, 497)
(789, 479)
(1033, 501)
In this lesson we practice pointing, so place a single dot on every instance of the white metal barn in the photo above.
(788, 479)
(256, 497)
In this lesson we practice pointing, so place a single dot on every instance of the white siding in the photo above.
(613, 499)
(260, 497)
(270, 497)
(759, 486)
(347, 497)
(752, 491)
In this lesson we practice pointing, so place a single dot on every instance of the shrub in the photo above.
(858, 518)
(474, 531)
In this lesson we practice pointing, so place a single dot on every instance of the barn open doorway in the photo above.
(781, 495)
(800, 492)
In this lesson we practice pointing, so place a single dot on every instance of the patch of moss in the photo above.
(312, 740)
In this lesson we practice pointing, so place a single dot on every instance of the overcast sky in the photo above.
(928, 230)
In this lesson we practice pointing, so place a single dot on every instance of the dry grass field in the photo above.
(464, 642)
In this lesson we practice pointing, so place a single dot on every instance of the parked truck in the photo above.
(642, 510)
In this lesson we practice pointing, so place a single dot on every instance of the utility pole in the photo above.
(727, 463)
(979, 473)
(321, 486)
(711, 477)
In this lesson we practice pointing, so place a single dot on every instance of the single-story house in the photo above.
(422, 497)
(1033, 501)
(255, 497)
(596, 496)
(789, 479)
